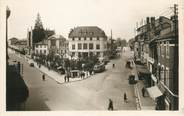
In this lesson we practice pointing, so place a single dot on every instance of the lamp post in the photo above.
(7, 16)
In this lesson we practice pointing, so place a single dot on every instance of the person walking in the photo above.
(125, 98)
(110, 107)
(43, 77)
(143, 92)
(113, 65)
(65, 78)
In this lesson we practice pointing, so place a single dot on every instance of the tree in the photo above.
(38, 31)
(123, 42)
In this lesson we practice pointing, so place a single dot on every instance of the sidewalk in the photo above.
(143, 103)
(59, 78)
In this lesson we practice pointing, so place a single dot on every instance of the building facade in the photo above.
(85, 41)
(57, 44)
(41, 48)
(157, 46)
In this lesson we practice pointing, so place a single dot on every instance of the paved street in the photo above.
(90, 94)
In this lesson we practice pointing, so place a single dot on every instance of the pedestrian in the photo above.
(68, 76)
(110, 107)
(43, 77)
(113, 65)
(125, 98)
(65, 78)
(143, 92)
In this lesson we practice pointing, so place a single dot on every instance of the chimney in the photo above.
(147, 20)
(153, 21)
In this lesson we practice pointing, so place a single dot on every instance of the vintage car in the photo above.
(99, 68)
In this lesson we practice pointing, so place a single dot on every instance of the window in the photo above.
(73, 39)
(36, 51)
(73, 53)
(90, 46)
(158, 49)
(162, 49)
(40, 51)
(162, 74)
(73, 47)
(90, 38)
(36, 46)
(85, 46)
(167, 77)
(44, 51)
(97, 38)
(84, 38)
(98, 53)
(79, 46)
(79, 38)
(97, 46)
(60, 43)
(167, 49)
(53, 42)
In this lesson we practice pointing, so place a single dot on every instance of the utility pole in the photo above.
(176, 56)
(7, 16)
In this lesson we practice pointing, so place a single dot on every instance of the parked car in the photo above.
(130, 64)
(132, 79)
(31, 64)
(99, 68)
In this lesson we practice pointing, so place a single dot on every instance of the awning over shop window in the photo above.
(154, 92)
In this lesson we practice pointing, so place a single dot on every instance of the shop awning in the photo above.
(154, 92)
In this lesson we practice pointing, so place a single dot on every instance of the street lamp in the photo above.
(7, 16)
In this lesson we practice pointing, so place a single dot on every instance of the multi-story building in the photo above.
(85, 41)
(164, 52)
(41, 48)
(57, 44)
(157, 46)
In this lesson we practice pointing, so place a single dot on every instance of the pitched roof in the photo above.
(43, 42)
(87, 31)
(56, 37)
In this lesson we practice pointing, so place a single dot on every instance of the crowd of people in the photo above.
(84, 66)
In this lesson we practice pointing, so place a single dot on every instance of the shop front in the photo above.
(144, 75)
(159, 98)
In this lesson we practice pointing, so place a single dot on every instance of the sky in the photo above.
(62, 15)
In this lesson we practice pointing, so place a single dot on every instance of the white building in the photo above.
(41, 47)
(86, 41)
(57, 44)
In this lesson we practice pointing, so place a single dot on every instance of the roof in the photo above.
(13, 38)
(43, 42)
(56, 37)
(87, 31)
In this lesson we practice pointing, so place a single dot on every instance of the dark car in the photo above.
(31, 64)
(132, 79)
